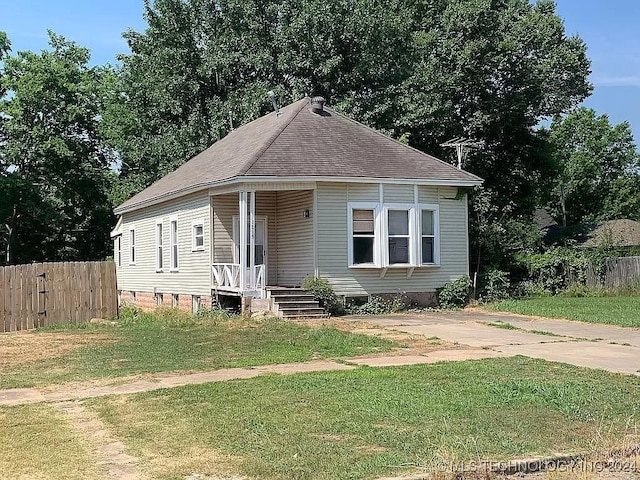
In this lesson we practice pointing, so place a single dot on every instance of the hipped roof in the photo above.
(301, 143)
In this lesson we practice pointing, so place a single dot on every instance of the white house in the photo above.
(308, 192)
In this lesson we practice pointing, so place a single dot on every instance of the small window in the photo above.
(175, 300)
(428, 237)
(197, 236)
(133, 296)
(174, 244)
(196, 303)
(159, 299)
(132, 246)
(398, 236)
(159, 247)
(118, 251)
(363, 236)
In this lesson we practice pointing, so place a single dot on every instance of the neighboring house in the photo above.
(307, 192)
(614, 233)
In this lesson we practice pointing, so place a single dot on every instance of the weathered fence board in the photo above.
(43, 294)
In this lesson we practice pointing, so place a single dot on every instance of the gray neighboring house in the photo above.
(307, 192)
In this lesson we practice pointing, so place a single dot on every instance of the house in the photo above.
(305, 191)
(614, 233)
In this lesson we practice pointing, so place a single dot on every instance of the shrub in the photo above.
(378, 306)
(325, 295)
(496, 286)
(455, 294)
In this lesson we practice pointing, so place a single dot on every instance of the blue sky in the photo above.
(609, 27)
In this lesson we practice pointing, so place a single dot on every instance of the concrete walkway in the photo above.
(611, 348)
(65, 393)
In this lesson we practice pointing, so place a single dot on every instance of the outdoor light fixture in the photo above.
(306, 213)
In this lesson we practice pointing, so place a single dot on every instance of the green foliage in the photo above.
(495, 286)
(556, 268)
(455, 294)
(54, 178)
(323, 292)
(131, 316)
(377, 305)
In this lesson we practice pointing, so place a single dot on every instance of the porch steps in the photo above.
(295, 303)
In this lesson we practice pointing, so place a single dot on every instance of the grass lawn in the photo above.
(368, 422)
(622, 311)
(166, 343)
(37, 443)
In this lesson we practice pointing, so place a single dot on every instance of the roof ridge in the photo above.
(252, 161)
(388, 137)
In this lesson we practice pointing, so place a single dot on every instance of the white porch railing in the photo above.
(226, 276)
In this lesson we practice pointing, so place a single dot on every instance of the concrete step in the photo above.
(301, 311)
(289, 292)
(310, 315)
(297, 304)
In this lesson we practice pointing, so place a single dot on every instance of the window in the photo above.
(174, 245)
(132, 246)
(363, 231)
(118, 250)
(398, 236)
(428, 237)
(159, 299)
(133, 296)
(159, 247)
(196, 303)
(197, 242)
(175, 300)
(393, 235)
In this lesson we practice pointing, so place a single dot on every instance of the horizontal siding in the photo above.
(363, 192)
(194, 275)
(294, 237)
(428, 194)
(225, 207)
(398, 193)
(332, 244)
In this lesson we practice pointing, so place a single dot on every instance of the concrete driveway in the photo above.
(616, 349)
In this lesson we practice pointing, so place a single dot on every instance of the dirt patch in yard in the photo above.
(29, 347)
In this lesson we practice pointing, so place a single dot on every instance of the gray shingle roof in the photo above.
(300, 143)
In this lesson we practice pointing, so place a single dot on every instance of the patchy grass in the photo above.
(170, 342)
(622, 311)
(368, 422)
(37, 443)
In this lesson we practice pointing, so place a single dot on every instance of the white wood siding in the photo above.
(294, 236)
(193, 275)
(333, 241)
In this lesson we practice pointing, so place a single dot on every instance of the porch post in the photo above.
(252, 239)
(243, 238)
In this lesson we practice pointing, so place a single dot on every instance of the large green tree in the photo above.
(598, 168)
(54, 170)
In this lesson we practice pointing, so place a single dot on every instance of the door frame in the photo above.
(236, 240)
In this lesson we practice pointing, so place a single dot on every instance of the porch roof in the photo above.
(301, 144)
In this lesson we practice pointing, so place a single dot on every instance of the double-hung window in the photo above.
(399, 236)
(132, 246)
(159, 247)
(118, 250)
(428, 236)
(173, 244)
(363, 233)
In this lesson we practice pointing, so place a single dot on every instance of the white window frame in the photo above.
(351, 206)
(132, 245)
(194, 224)
(175, 300)
(381, 234)
(118, 250)
(159, 246)
(174, 254)
(196, 303)
(436, 233)
(411, 212)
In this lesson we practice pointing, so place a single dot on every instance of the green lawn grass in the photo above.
(369, 422)
(38, 443)
(185, 343)
(622, 311)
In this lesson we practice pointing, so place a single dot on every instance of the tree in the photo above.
(53, 167)
(598, 168)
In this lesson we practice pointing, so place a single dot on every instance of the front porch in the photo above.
(277, 226)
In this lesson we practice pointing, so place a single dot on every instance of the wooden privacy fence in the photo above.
(43, 294)
(618, 272)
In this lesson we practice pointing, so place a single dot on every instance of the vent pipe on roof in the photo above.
(317, 105)
(272, 96)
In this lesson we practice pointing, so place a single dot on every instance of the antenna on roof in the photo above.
(272, 96)
(231, 120)
(462, 146)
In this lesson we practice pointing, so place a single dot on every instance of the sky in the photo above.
(609, 28)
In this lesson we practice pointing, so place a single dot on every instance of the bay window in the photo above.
(398, 236)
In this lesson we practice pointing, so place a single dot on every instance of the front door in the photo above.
(260, 245)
